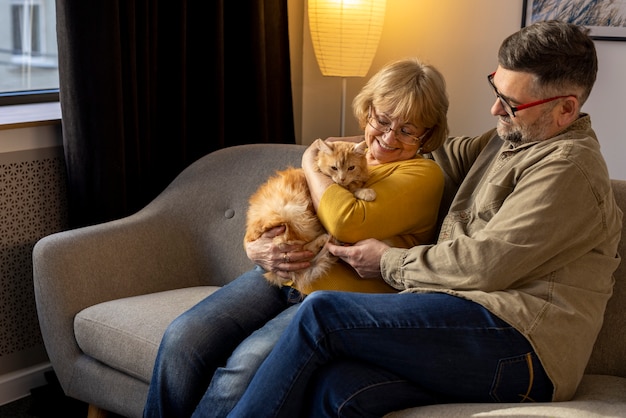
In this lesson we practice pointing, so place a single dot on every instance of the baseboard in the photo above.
(17, 385)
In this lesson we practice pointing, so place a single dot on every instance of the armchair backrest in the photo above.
(215, 190)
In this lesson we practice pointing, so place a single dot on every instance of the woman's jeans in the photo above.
(230, 382)
(218, 344)
(364, 355)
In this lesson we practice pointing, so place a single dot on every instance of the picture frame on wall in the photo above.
(606, 19)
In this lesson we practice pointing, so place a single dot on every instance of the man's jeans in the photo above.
(363, 355)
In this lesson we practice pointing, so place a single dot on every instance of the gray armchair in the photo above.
(105, 293)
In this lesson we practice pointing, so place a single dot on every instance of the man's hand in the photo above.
(364, 256)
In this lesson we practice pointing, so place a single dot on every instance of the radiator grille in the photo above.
(33, 204)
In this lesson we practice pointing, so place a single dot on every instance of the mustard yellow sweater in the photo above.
(405, 212)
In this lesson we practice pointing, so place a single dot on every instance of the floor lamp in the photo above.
(345, 35)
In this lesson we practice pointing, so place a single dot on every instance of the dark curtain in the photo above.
(149, 86)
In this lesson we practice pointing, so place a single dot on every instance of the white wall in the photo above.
(461, 38)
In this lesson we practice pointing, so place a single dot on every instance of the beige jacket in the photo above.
(531, 235)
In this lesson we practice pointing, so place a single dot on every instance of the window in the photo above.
(28, 51)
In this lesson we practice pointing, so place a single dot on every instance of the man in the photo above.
(507, 305)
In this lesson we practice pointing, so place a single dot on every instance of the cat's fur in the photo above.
(285, 199)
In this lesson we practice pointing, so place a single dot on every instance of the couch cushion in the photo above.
(598, 396)
(125, 333)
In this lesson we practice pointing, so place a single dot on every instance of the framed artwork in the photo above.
(606, 19)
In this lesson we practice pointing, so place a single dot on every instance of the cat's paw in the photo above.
(369, 195)
(317, 244)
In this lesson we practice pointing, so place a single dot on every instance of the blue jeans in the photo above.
(364, 355)
(201, 340)
(230, 382)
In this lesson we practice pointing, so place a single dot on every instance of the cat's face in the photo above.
(343, 162)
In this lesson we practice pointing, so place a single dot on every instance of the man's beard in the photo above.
(523, 134)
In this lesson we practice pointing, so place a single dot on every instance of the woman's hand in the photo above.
(281, 258)
(309, 158)
(316, 180)
(364, 256)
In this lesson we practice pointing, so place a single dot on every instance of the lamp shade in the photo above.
(345, 34)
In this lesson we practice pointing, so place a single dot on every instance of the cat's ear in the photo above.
(360, 148)
(324, 146)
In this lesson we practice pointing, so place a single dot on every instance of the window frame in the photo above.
(31, 9)
(29, 97)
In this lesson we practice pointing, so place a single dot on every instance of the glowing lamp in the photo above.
(345, 35)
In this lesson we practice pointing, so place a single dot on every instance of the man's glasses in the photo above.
(383, 125)
(512, 109)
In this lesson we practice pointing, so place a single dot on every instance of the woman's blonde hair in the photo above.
(414, 92)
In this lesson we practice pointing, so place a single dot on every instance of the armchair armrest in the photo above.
(143, 253)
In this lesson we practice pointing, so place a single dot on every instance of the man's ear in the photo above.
(568, 111)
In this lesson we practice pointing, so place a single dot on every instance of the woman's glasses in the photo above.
(407, 134)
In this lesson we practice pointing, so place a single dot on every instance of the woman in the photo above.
(402, 110)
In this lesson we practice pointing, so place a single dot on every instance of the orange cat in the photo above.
(285, 200)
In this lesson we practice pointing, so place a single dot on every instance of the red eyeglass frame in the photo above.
(512, 109)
